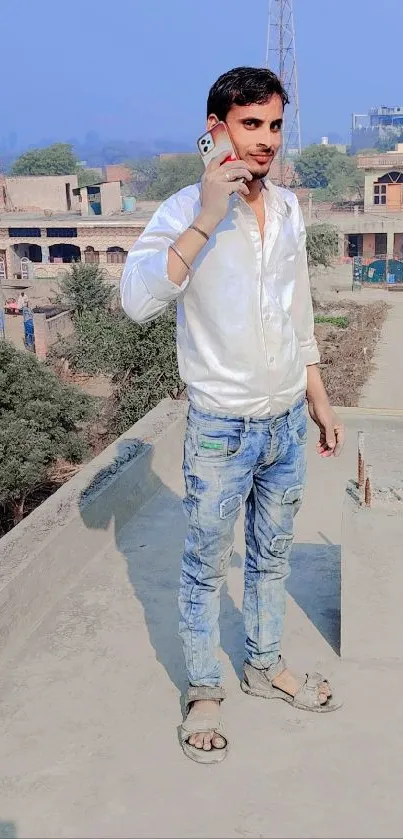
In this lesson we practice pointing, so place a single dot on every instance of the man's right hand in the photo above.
(219, 181)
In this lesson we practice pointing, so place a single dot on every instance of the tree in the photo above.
(345, 180)
(57, 159)
(88, 177)
(141, 359)
(388, 142)
(322, 244)
(312, 165)
(172, 174)
(85, 288)
(40, 421)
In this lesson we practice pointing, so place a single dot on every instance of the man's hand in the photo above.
(219, 181)
(332, 434)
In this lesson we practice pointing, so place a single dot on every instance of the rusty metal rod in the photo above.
(361, 460)
(368, 487)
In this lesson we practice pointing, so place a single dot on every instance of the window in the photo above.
(91, 255)
(379, 193)
(381, 246)
(61, 232)
(116, 255)
(26, 232)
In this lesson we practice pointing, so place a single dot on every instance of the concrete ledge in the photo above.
(371, 579)
(41, 558)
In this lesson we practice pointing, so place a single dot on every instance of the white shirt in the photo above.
(245, 328)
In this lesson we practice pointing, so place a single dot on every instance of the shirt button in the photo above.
(271, 359)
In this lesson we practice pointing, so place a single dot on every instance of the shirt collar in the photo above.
(278, 198)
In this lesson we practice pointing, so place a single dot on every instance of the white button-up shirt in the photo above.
(245, 327)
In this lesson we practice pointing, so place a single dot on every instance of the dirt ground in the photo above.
(346, 354)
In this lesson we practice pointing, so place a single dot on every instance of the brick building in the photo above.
(39, 193)
(34, 251)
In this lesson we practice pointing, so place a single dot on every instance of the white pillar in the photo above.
(390, 242)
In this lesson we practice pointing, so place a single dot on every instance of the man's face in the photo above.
(256, 131)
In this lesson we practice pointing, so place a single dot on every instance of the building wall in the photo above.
(371, 176)
(111, 199)
(46, 274)
(118, 172)
(42, 193)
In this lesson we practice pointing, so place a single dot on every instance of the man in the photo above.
(22, 301)
(231, 251)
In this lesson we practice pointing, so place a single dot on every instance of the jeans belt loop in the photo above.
(246, 421)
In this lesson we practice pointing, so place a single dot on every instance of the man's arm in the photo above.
(331, 430)
(158, 265)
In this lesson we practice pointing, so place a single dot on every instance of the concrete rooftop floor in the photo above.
(91, 702)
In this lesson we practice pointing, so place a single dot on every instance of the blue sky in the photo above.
(137, 69)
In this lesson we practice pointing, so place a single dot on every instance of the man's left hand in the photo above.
(332, 434)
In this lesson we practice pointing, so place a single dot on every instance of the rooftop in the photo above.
(140, 217)
(92, 668)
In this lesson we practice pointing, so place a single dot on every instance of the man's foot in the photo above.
(206, 740)
(289, 684)
(311, 692)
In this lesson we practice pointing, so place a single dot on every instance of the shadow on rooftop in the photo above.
(152, 546)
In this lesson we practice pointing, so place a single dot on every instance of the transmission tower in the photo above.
(281, 58)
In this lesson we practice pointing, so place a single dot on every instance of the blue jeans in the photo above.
(230, 462)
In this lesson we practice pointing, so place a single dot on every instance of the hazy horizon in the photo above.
(142, 72)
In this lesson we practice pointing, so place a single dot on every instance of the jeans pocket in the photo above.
(300, 429)
(218, 446)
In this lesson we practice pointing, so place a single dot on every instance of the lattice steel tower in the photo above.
(281, 58)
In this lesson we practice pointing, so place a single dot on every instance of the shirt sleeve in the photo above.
(302, 309)
(145, 288)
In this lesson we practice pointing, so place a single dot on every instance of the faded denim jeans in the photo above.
(229, 462)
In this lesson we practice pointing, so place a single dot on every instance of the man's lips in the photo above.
(263, 157)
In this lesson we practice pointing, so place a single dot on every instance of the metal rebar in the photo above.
(368, 487)
(361, 460)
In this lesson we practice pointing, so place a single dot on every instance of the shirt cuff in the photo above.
(310, 353)
(157, 282)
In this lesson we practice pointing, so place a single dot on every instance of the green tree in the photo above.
(322, 244)
(40, 421)
(312, 165)
(86, 288)
(389, 141)
(173, 174)
(142, 359)
(345, 180)
(58, 159)
(88, 177)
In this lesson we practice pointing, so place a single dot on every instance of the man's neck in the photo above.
(255, 188)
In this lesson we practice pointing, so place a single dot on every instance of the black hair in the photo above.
(243, 86)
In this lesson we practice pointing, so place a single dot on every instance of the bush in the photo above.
(141, 359)
(40, 422)
(86, 288)
(322, 244)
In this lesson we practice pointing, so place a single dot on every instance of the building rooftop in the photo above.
(92, 667)
(140, 217)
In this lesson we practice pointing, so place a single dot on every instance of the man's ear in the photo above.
(212, 121)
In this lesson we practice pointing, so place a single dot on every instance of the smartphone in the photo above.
(215, 142)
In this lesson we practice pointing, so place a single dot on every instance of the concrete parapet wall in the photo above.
(372, 578)
(41, 558)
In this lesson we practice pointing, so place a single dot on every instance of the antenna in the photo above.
(281, 58)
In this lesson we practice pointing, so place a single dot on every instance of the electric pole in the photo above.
(281, 58)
